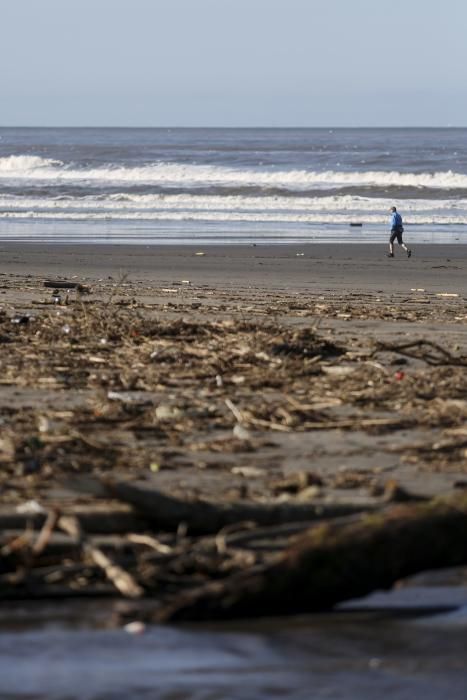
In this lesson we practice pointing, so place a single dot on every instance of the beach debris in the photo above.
(7, 449)
(248, 472)
(426, 350)
(136, 398)
(296, 482)
(63, 284)
(203, 516)
(165, 412)
(136, 627)
(338, 370)
(21, 319)
(121, 579)
(31, 507)
(167, 442)
(299, 255)
(240, 432)
(200, 253)
(337, 561)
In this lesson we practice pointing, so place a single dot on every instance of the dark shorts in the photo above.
(396, 233)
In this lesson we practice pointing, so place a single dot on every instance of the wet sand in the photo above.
(312, 267)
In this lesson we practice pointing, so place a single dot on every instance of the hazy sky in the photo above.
(233, 62)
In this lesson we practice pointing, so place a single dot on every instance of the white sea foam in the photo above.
(34, 168)
(224, 217)
(218, 208)
(24, 165)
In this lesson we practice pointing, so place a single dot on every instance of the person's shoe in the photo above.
(409, 253)
(390, 255)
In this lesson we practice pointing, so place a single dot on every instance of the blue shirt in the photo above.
(396, 220)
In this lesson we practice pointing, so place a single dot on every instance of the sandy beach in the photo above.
(324, 377)
(353, 295)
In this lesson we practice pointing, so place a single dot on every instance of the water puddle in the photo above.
(404, 645)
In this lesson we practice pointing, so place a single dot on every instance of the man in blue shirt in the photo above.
(397, 230)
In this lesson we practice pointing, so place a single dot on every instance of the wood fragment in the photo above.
(63, 284)
(46, 532)
(426, 350)
(151, 542)
(115, 518)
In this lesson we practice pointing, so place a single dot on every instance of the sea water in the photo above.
(231, 185)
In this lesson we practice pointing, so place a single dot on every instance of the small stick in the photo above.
(46, 532)
(150, 542)
(237, 414)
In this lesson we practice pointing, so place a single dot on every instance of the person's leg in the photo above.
(407, 250)
(391, 244)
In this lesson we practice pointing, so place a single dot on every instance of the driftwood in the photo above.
(205, 517)
(334, 562)
(121, 579)
(63, 284)
(426, 350)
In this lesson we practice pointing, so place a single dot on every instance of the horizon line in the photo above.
(263, 127)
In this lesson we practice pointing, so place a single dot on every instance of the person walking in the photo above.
(397, 230)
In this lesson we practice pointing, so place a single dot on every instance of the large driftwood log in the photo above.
(334, 562)
(206, 517)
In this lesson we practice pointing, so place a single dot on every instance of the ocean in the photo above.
(155, 185)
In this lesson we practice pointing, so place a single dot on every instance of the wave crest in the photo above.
(24, 164)
(169, 175)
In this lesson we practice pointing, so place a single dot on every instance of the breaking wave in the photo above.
(229, 208)
(35, 168)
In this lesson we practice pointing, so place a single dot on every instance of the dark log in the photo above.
(334, 562)
(206, 517)
(63, 284)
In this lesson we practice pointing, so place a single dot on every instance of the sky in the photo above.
(233, 63)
